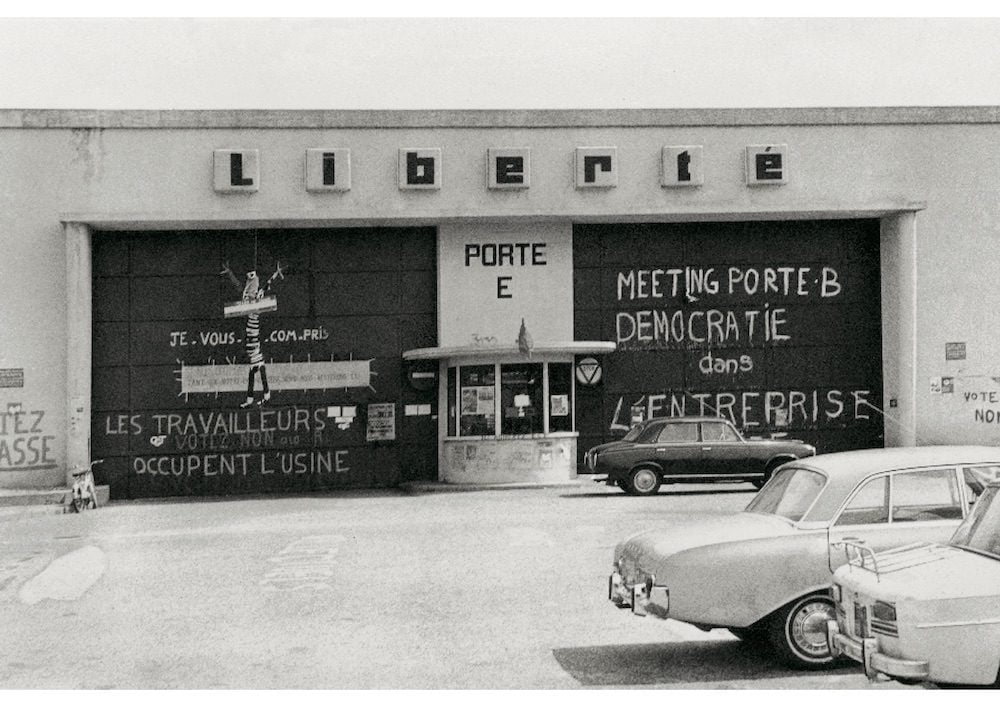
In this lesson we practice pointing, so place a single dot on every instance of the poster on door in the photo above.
(381, 422)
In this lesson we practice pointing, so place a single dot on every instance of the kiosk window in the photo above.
(520, 389)
(521, 398)
(477, 395)
(560, 397)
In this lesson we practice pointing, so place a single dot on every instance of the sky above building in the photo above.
(496, 63)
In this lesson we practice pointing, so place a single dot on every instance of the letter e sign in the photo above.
(236, 170)
(420, 168)
(767, 165)
(596, 167)
(509, 167)
(682, 166)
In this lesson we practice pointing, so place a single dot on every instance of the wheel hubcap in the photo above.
(644, 480)
(808, 629)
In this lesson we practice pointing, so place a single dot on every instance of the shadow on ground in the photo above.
(672, 663)
(666, 492)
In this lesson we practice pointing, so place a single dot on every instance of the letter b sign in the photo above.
(420, 168)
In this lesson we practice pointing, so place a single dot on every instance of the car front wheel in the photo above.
(797, 632)
(643, 482)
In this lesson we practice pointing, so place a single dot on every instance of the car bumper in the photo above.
(865, 651)
(643, 599)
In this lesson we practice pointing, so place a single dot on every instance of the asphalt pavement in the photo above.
(501, 588)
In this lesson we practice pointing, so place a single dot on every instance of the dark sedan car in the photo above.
(689, 450)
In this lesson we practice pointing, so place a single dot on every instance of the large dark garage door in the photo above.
(776, 325)
(175, 343)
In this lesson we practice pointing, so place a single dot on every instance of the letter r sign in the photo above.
(767, 165)
(596, 167)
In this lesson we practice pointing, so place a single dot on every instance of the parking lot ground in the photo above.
(367, 589)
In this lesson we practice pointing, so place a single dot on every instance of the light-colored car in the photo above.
(765, 573)
(926, 612)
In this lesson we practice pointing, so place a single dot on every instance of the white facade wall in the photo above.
(929, 173)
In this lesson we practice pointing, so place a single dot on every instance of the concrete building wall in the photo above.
(154, 170)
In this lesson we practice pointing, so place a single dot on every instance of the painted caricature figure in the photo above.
(253, 292)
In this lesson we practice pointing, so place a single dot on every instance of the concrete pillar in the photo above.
(79, 351)
(899, 328)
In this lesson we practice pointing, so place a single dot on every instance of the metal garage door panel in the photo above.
(171, 369)
(774, 324)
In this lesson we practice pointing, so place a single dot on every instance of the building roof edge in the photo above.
(17, 118)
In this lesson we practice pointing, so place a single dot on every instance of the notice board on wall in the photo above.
(381, 422)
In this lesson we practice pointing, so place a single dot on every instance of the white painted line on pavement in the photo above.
(67, 577)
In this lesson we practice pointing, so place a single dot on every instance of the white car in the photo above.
(764, 574)
(925, 612)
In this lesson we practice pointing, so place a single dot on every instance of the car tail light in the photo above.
(836, 592)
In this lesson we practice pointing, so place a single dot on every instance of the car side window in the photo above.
(928, 494)
(869, 505)
(649, 434)
(676, 432)
(718, 432)
(976, 478)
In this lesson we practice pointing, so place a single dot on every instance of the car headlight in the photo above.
(883, 611)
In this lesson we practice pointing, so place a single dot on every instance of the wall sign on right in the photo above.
(954, 351)
(766, 165)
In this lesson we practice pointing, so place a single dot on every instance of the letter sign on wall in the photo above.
(509, 167)
(682, 166)
(419, 168)
(237, 170)
(767, 165)
(328, 169)
(596, 167)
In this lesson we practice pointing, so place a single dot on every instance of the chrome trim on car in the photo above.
(865, 651)
(948, 624)
(643, 597)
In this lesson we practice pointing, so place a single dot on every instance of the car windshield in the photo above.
(789, 494)
(981, 530)
(634, 432)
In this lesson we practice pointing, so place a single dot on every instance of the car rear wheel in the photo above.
(643, 481)
(797, 632)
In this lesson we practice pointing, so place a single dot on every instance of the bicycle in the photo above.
(84, 492)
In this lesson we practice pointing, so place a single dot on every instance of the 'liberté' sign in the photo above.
(328, 169)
